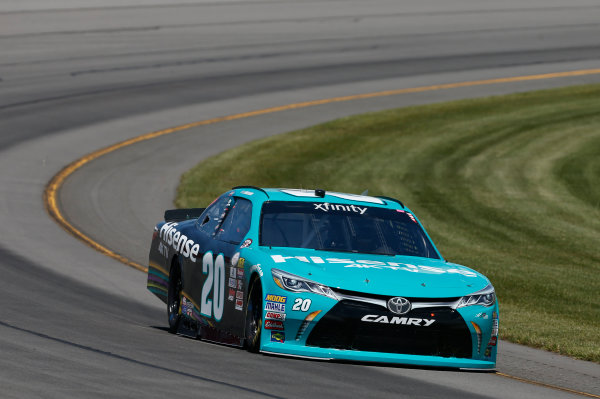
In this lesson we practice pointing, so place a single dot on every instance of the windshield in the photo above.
(343, 228)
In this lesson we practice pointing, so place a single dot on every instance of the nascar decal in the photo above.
(374, 264)
(374, 318)
(179, 242)
(275, 303)
(410, 215)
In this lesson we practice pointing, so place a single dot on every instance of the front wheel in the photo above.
(174, 298)
(254, 317)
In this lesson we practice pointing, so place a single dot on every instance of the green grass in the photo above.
(508, 185)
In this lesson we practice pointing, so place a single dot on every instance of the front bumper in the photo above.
(376, 357)
(365, 332)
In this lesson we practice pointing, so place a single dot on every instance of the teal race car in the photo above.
(321, 275)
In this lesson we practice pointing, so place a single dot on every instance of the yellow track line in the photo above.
(51, 191)
(512, 377)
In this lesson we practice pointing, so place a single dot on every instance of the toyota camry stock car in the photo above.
(322, 275)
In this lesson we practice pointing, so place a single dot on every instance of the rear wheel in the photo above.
(254, 317)
(174, 298)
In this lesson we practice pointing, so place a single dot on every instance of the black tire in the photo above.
(254, 317)
(174, 298)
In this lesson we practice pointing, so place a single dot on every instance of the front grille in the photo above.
(342, 328)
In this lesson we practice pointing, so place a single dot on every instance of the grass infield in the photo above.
(507, 185)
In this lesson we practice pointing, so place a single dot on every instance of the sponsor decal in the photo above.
(232, 272)
(239, 295)
(187, 307)
(247, 192)
(277, 336)
(495, 326)
(235, 259)
(232, 283)
(326, 207)
(231, 294)
(306, 323)
(488, 352)
(257, 269)
(240, 274)
(163, 249)
(413, 321)
(275, 306)
(239, 304)
(374, 264)
(275, 316)
(180, 243)
(246, 243)
(273, 325)
(240, 285)
(241, 262)
(493, 341)
(276, 298)
(482, 315)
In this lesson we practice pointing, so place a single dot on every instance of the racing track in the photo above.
(81, 75)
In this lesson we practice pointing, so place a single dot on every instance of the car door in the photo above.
(219, 293)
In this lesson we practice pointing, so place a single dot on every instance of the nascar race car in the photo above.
(322, 275)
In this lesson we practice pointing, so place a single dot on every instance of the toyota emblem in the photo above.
(399, 305)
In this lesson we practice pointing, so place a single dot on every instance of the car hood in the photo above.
(377, 274)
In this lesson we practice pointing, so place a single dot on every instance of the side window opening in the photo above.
(213, 216)
(236, 224)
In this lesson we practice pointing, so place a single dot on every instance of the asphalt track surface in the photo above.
(79, 75)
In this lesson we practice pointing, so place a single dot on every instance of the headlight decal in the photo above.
(478, 331)
(291, 282)
(305, 323)
(485, 297)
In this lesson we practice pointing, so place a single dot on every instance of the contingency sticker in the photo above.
(239, 304)
(273, 325)
(277, 336)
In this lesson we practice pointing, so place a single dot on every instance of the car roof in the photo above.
(303, 195)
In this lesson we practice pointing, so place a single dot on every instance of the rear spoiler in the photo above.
(178, 215)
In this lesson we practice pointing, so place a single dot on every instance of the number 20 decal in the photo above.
(215, 282)
(301, 304)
